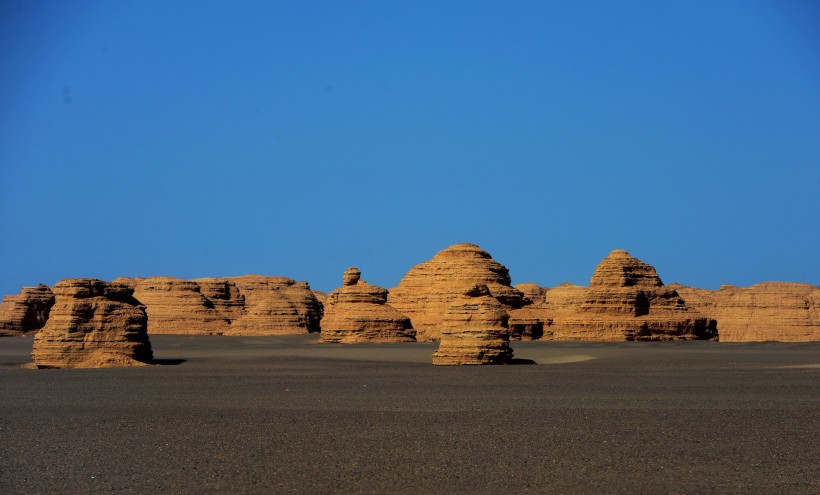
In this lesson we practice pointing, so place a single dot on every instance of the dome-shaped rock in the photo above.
(93, 324)
(625, 300)
(358, 312)
(474, 330)
(428, 289)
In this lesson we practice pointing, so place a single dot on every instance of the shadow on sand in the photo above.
(522, 361)
(167, 362)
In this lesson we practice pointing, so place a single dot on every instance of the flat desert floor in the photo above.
(290, 415)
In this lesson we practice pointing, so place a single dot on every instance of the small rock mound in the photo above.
(93, 324)
(26, 312)
(358, 312)
(429, 288)
(474, 330)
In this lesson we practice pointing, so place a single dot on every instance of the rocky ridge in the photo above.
(783, 311)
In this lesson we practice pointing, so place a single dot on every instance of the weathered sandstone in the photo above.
(246, 305)
(429, 288)
(533, 292)
(625, 300)
(358, 312)
(93, 324)
(26, 312)
(782, 311)
(275, 306)
(320, 296)
(474, 330)
(178, 306)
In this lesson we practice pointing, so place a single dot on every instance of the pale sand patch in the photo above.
(560, 359)
(798, 366)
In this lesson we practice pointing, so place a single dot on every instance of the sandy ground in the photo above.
(289, 415)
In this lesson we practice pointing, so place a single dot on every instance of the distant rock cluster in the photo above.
(461, 297)
(248, 305)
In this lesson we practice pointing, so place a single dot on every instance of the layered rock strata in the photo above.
(26, 312)
(625, 300)
(474, 330)
(178, 306)
(429, 288)
(275, 306)
(246, 305)
(358, 312)
(783, 311)
(93, 324)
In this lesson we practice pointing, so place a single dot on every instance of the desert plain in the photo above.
(285, 414)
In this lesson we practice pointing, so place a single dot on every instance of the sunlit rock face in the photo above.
(358, 312)
(93, 324)
(429, 288)
(246, 305)
(26, 312)
(783, 311)
(625, 300)
(474, 330)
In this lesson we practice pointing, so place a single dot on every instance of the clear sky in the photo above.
(298, 138)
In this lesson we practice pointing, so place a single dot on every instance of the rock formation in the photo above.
(275, 306)
(532, 292)
(93, 324)
(26, 312)
(429, 288)
(247, 305)
(782, 311)
(320, 296)
(178, 306)
(625, 300)
(357, 312)
(474, 330)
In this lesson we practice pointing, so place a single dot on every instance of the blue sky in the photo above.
(298, 138)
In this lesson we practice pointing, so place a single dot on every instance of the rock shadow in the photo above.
(522, 361)
(167, 362)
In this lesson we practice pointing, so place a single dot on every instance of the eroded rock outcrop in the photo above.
(26, 312)
(178, 306)
(429, 288)
(783, 311)
(93, 324)
(246, 305)
(358, 312)
(275, 306)
(534, 293)
(625, 300)
(474, 330)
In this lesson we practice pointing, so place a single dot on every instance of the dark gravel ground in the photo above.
(287, 415)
